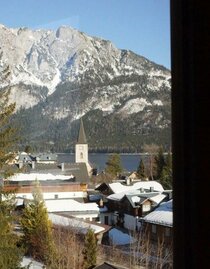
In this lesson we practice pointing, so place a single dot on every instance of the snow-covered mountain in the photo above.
(65, 74)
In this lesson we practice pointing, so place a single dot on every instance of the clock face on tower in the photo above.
(80, 147)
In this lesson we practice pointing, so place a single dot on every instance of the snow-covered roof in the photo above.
(158, 198)
(162, 215)
(38, 176)
(79, 225)
(19, 201)
(118, 187)
(135, 199)
(120, 238)
(69, 205)
(119, 196)
(136, 194)
(94, 197)
(103, 209)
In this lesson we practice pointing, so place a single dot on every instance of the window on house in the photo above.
(146, 207)
(97, 219)
(106, 220)
(56, 196)
(154, 229)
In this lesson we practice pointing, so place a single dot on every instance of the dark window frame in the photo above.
(190, 131)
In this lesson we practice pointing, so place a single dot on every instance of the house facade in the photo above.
(129, 208)
(54, 190)
(158, 224)
(128, 204)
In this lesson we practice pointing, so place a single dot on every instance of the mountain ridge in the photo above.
(66, 74)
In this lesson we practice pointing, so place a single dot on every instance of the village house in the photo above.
(159, 223)
(129, 207)
(56, 181)
(24, 157)
(79, 226)
(45, 158)
(127, 204)
(74, 208)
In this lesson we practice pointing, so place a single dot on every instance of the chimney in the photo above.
(151, 189)
(20, 165)
(62, 167)
(33, 164)
(101, 203)
(127, 180)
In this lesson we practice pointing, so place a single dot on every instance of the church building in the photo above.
(81, 148)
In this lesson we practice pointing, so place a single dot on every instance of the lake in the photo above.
(130, 162)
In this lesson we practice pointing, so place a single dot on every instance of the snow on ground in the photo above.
(33, 264)
(157, 102)
(105, 106)
(162, 215)
(38, 176)
(117, 237)
(135, 105)
(54, 82)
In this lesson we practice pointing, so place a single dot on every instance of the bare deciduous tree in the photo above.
(151, 149)
(68, 249)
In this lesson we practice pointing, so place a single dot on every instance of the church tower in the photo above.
(81, 148)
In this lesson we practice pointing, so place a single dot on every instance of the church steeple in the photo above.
(81, 148)
(81, 137)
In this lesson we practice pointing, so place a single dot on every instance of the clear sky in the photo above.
(142, 26)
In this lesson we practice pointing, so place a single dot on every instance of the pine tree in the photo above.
(166, 174)
(151, 150)
(7, 133)
(141, 170)
(113, 165)
(160, 163)
(10, 254)
(90, 250)
(37, 228)
(164, 169)
(28, 149)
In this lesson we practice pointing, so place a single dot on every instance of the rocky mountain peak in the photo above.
(65, 74)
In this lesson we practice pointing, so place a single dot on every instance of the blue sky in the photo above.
(142, 26)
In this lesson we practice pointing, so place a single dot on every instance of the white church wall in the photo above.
(81, 153)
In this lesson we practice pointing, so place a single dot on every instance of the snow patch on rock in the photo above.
(135, 105)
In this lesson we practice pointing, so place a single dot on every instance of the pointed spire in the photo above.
(81, 137)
